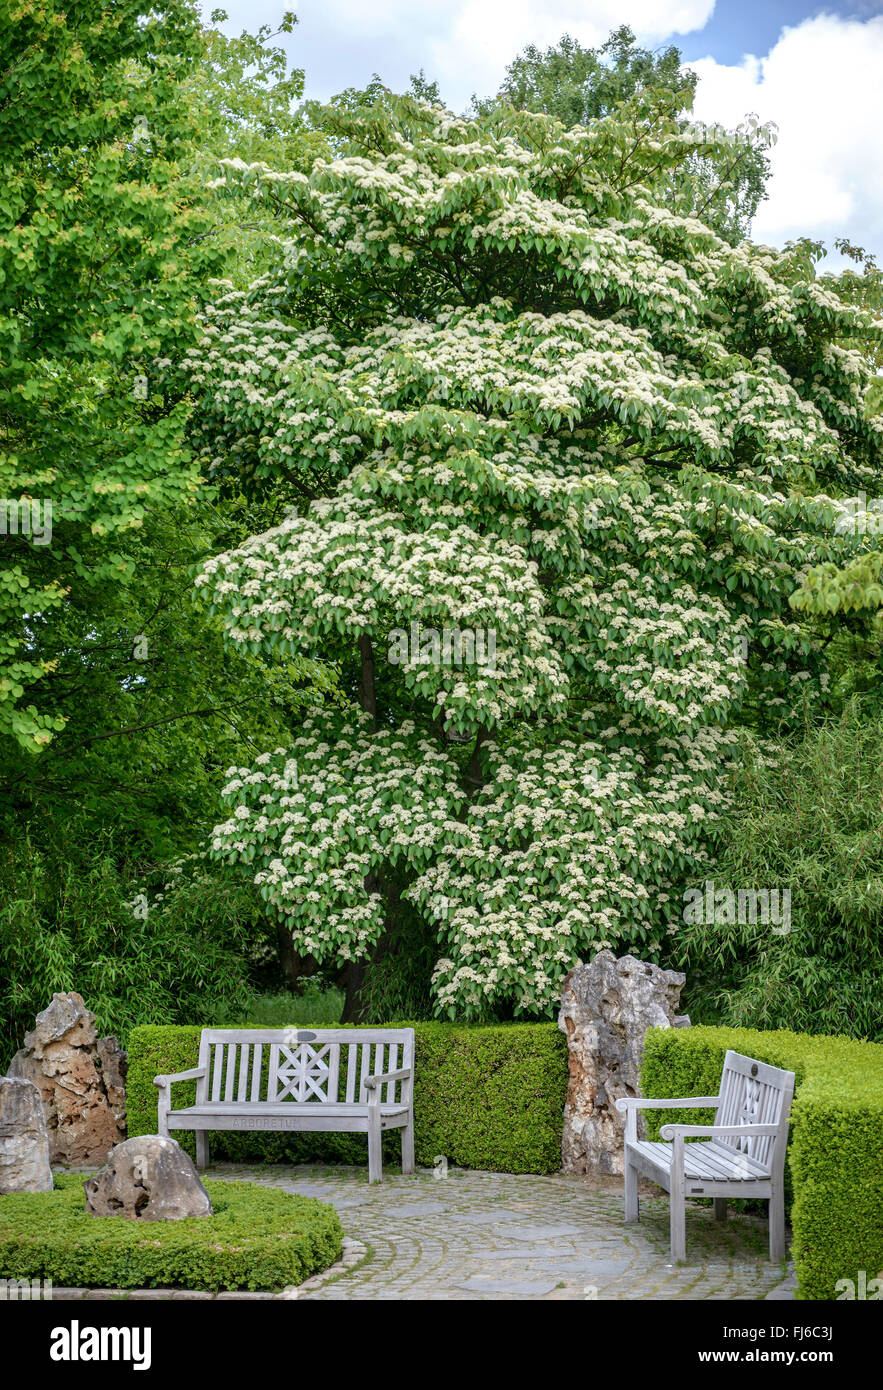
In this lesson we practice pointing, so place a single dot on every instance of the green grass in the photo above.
(316, 1006)
(258, 1238)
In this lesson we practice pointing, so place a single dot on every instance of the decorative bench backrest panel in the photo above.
(321, 1065)
(753, 1093)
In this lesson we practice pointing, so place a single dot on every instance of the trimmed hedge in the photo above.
(486, 1097)
(258, 1238)
(836, 1137)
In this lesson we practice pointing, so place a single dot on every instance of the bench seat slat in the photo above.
(705, 1165)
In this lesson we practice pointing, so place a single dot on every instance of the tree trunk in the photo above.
(351, 979)
(294, 967)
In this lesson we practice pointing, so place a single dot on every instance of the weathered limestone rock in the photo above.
(81, 1079)
(24, 1142)
(606, 1008)
(147, 1179)
(113, 1064)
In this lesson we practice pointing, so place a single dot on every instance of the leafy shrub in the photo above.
(835, 1143)
(258, 1238)
(485, 1097)
(71, 923)
(812, 824)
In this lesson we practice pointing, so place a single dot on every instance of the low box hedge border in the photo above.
(258, 1238)
(836, 1137)
(486, 1097)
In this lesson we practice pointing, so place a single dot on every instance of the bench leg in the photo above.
(408, 1148)
(720, 1208)
(375, 1146)
(777, 1225)
(202, 1148)
(678, 1220)
(631, 1192)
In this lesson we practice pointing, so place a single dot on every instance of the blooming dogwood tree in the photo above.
(505, 390)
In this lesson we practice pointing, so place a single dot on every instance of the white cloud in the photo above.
(822, 83)
(468, 43)
(485, 35)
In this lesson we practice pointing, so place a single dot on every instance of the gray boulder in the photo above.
(24, 1139)
(147, 1179)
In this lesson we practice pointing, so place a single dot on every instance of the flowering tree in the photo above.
(507, 392)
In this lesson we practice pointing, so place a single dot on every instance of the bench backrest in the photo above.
(271, 1066)
(753, 1093)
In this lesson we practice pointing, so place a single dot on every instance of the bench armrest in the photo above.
(380, 1079)
(374, 1084)
(725, 1131)
(632, 1104)
(192, 1075)
(687, 1103)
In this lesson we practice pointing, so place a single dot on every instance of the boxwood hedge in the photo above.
(836, 1138)
(486, 1097)
(258, 1238)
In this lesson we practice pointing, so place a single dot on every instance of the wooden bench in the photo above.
(356, 1080)
(742, 1154)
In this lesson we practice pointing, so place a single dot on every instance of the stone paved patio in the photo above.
(496, 1236)
(473, 1235)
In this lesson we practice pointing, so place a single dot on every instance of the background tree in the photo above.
(119, 707)
(722, 184)
(807, 821)
(509, 391)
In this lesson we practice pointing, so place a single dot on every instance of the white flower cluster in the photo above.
(544, 405)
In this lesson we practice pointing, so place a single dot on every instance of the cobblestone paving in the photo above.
(496, 1236)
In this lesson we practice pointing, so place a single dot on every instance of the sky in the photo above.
(816, 70)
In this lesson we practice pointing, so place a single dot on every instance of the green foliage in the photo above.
(512, 392)
(258, 1238)
(119, 704)
(723, 184)
(487, 1098)
(320, 1005)
(139, 949)
(577, 85)
(491, 1097)
(855, 587)
(835, 1141)
(243, 98)
(104, 242)
(809, 821)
